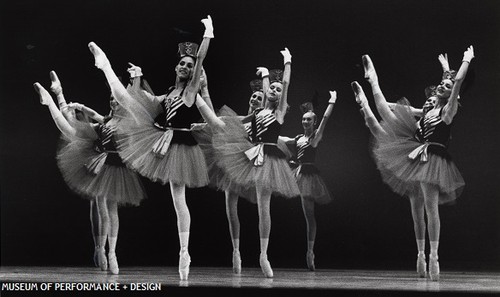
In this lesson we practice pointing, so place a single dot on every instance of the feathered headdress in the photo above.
(275, 75)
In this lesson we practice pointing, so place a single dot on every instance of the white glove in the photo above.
(333, 97)
(134, 71)
(287, 57)
(209, 27)
(468, 54)
(262, 71)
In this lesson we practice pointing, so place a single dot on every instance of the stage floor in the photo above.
(208, 279)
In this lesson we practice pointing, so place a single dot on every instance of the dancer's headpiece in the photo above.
(188, 49)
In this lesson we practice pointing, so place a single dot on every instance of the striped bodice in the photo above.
(265, 127)
(305, 152)
(432, 128)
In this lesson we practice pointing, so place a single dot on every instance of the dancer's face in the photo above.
(308, 120)
(184, 68)
(274, 91)
(429, 103)
(256, 99)
(444, 88)
(113, 104)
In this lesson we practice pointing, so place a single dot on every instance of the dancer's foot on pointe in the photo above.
(370, 73)
(434, 268)
(421, 265)
(236, 262)
(113, 263)
(101, 61)
(265, 266)
(101, 257)
(310, 260)
(184, 261)
(359, 93)
(55, 86)
(44, 95)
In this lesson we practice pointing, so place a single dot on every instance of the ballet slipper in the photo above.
(265, 266)
(44, 95)
(421, 265)
(55, 85)
(236, 262)
(113, 263)
(434, 268)
(184, 261)
(101, 257)
(101, 61)
(310, 260)
(370, 73)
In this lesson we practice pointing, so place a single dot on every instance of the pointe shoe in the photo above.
(101, 60)
(113, 263)
(265, 266)
(358, 92)
(433, 268)
(44, 95)
(421, 265)
(184, 261)
(310, 260)
(101, 258)
(55, 86)
(236, 262)
(370, 73)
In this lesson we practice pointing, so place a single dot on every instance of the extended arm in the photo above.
(324, 120)
(264, 73)
(204, 89)
(287, 73)
(194, 84)
(450, 109)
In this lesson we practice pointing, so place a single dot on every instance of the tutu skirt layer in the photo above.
(405, 175)
(241, 175)
(115, 183)
(312, 187)
(136, 136)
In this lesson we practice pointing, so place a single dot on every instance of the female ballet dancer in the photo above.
(412, 157)
(258, 165)
(91, 167)
(166, 151)
(312, 187)
(231, 193)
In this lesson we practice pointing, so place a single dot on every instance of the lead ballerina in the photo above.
(165, 151)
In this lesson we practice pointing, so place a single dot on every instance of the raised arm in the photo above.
(286, 140)
(204, 89)
(450, 109)
(324, 120)
(264, 73)
(287, 73)
(87, 111)
(194, 84)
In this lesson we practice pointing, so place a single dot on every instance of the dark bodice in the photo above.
(433, 129)
(266, 129)
(106, 143)
(178, 115)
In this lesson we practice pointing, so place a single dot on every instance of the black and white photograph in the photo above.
(248, 148)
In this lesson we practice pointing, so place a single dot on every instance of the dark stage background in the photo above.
(366, 226)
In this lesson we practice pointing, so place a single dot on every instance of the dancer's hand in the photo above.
(75, 105)
(134, 71)
(287, 57)
(468, 54)
(333, 97)
(209, 27)
(55, 86)
(443, 59)
(262, 71)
